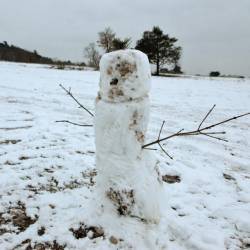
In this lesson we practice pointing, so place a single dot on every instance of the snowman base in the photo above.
(128, 183)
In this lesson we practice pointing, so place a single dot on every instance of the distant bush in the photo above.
(60, 66)
(214, 73)
(234, 76)
(175, 70)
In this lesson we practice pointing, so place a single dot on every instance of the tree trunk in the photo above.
(157, 67)
(157, 60)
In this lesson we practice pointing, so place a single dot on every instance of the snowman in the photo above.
(128, 183)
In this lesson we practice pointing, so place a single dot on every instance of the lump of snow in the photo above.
(125, 75)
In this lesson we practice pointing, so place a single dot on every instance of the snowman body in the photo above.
(127, 180)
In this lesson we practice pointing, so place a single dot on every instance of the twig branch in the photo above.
(77, 124)
(153, 149)
(72, 96)
(206, 116)
(199, 131)
(214, 137)
(159, 135)
(222, 122)
(162, 125)
(165, 151)
(216, 133)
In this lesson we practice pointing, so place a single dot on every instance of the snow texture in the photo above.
(47, 169)
(127, 177)
(127, 72)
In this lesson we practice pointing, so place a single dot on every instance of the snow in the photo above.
(132, 72)
(51, 169)
(120, 129)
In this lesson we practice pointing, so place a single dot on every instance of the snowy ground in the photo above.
(47, 169)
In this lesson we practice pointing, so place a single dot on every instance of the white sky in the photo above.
(214, 34)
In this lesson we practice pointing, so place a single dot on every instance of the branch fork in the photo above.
(68, 92)
(199, 131)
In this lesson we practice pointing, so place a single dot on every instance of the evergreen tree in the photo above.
(118, 43)
(160, 48)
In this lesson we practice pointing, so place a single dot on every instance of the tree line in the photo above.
(160, 48)
(16, 54)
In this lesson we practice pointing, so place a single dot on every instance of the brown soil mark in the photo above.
(10, 141)
(126, 68)
(171, 178)
(26, 244)
(90, 152)
(134, 119)
(228, 177)
(139, 136)
(122, 199)
(18, 217)
(53, 185)
(11, 163)
(23, 157)
(3, 221)
(109, 71)
(113, 240)
(83, 231)
(114, 92)
(41, 231)
(80, 152)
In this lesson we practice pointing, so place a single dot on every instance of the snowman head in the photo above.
(125, 75)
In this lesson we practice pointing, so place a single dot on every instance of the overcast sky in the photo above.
(214, 34)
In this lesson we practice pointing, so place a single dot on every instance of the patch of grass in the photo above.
(91, 231)
(27, 245)
(16, 216)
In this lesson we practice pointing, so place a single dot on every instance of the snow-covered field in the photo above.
(47, 169)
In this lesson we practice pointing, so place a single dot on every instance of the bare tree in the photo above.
(106, 38)
(93, 55)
